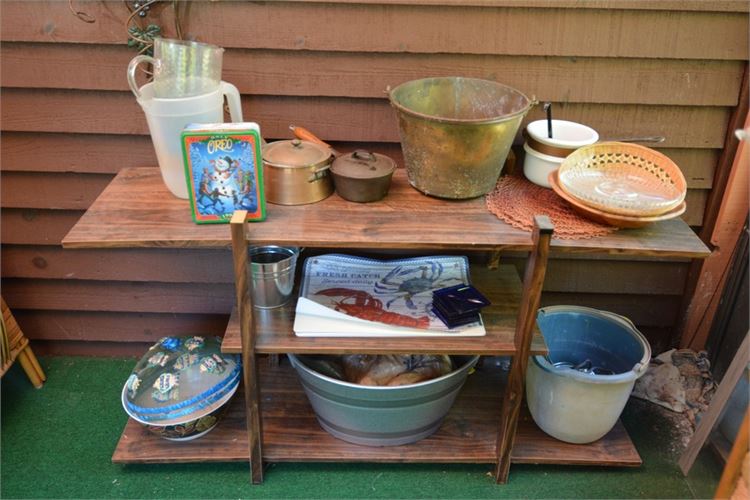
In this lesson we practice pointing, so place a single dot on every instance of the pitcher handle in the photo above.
(233, 100)
(133, 66)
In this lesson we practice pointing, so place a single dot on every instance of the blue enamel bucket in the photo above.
(577, 392)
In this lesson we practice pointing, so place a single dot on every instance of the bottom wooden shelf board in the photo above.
(292, 434)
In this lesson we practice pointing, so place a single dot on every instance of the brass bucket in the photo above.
(456, 132)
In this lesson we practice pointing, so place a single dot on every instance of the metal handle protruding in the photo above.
(361, 154)
(305, 135)
(654, 139)
(320, 173)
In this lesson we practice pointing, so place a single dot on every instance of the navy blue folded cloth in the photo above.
(458, 305)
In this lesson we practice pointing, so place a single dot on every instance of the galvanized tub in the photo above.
(272, 272)
(456, 132)
(382, 416)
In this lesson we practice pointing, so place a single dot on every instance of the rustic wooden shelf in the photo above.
(274, 333)
(467, 435)
(137, 210)
(485, 425)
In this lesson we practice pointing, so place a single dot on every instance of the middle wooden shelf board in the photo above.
(502, 286)
(468, 433)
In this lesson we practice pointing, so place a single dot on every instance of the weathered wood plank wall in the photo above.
(69, 123)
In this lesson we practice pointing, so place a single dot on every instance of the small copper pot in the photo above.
(362, 176)
(296, 172)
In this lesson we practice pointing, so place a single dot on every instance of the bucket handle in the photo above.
(641, 366)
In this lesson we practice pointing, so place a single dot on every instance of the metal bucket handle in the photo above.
(640, 367)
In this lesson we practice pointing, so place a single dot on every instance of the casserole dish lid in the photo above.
(362, 164)
(295, 154)
(179, 379)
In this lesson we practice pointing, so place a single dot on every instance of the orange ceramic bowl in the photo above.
(623, 179)
(603, 217)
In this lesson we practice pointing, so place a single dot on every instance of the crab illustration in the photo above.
(406, 283)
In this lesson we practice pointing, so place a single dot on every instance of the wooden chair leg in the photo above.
(532, 291)
(36, 364)
(13, 338)
(29, 367)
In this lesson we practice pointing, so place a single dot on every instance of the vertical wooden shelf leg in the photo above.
(718, 402)
(533, 280)
(247, 330)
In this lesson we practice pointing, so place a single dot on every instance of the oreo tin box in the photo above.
(224, 171)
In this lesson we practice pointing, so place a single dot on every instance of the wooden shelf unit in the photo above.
(136, 210)
(467, 435)
(274, 333)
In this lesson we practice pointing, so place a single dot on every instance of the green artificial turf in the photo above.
(57, 443)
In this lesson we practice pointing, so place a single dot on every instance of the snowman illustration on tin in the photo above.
(219, 187)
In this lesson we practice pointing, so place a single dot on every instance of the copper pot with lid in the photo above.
(296, 172)
(362, 176)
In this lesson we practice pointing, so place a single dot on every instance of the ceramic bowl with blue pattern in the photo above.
(180, 388)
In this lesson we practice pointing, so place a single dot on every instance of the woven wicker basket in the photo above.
(625, 179)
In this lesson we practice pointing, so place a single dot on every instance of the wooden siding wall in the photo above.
(69, 123)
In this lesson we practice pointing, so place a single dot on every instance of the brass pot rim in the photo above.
(471, 121)
(299, 167)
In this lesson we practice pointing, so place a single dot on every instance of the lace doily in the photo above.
(516, 201)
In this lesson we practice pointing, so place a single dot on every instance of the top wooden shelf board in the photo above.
(681, 5)
(137, 210)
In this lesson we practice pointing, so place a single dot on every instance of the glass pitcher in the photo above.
(181, 68)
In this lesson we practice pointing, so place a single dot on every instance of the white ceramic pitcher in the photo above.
(167, 117)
